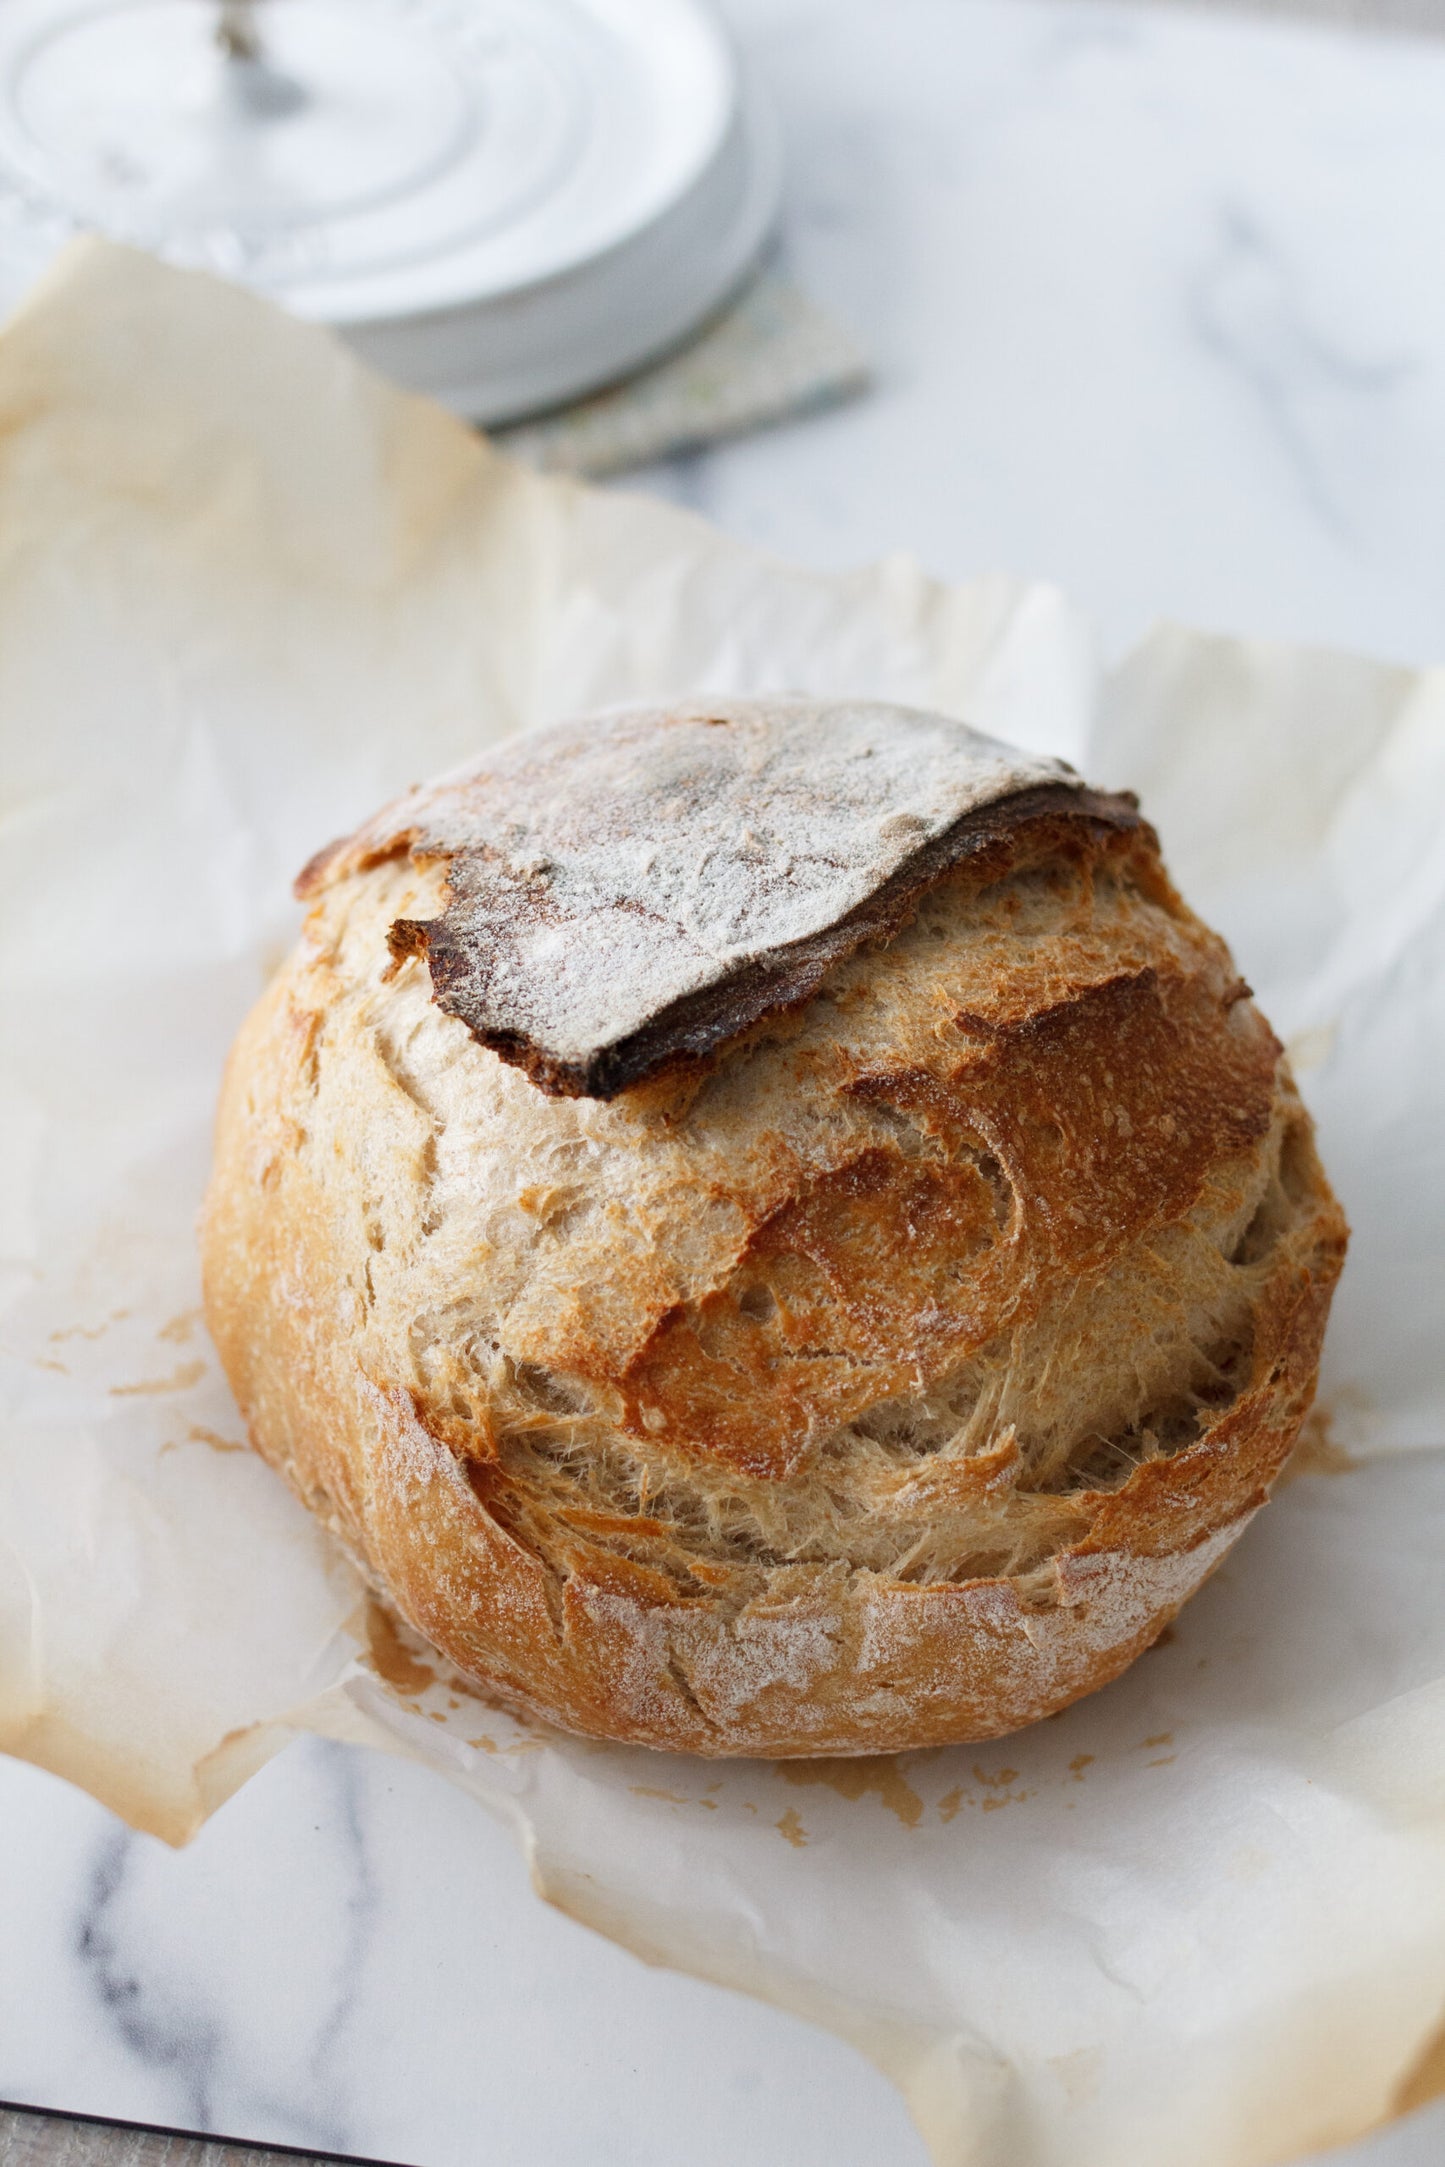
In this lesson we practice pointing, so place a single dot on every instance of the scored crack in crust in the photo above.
(885, 1376)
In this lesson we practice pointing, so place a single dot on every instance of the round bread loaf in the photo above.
(768, 1228)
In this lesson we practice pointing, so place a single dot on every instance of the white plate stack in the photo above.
(504, 203)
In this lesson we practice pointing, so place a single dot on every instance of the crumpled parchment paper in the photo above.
(246, 593)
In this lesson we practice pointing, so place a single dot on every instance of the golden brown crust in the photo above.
(869, 1261)
(888, 1378)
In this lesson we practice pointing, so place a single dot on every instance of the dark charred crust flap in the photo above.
(696, 1026)
(626, 893)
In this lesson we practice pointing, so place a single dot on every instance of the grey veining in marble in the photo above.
(1153, 301)
(171, 2018)
(1156, 308)
(157, 2034)
(350, 1956)
(1310, 382)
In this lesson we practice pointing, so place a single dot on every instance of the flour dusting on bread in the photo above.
(640, 886)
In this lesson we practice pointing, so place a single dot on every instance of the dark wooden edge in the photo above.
(194, 2136)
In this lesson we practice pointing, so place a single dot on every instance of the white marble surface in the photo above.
(1157, 308)
(1156, 300)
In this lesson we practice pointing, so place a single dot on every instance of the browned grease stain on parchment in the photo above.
(180, 1380)
(200, 1435)
(410, 1675)
(790, 1827)
(90, 1331)
(992, 1788)
(391, 1658)
(1316, 1451)
(855, 1779)
(179, 1329)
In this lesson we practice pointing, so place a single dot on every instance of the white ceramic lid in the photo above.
(500, 202)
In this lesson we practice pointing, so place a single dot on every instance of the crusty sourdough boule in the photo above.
(767, 1227)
